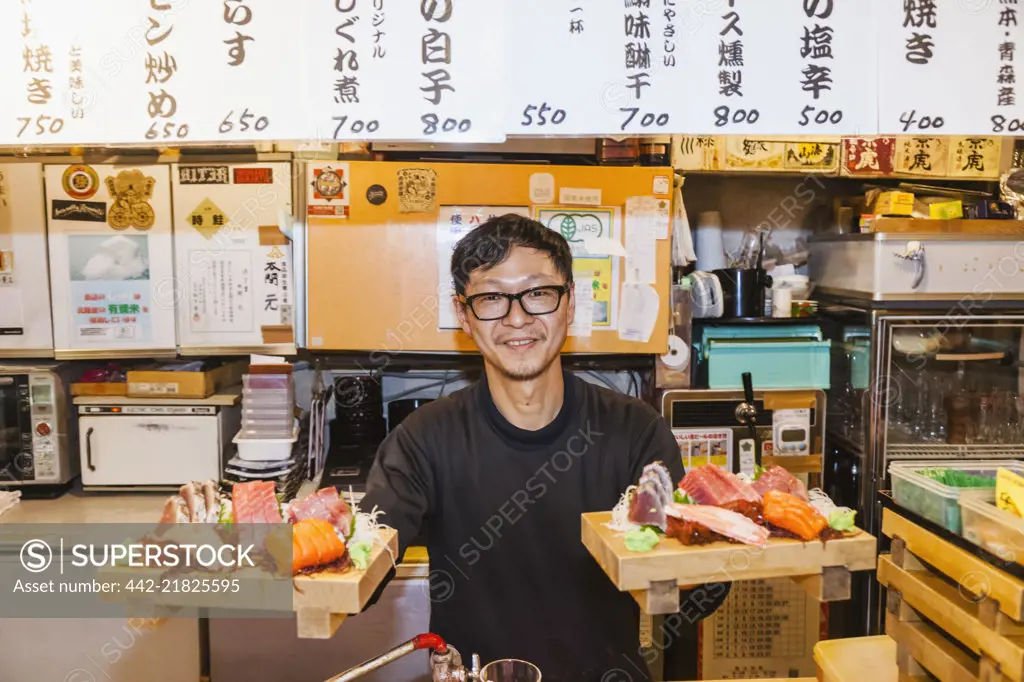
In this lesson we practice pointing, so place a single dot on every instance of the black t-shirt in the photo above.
(501, 506)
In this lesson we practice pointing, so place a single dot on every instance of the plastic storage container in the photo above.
(263, 398)
(260, 412)
(265, 381)
(937, 502)
(991, 528)
(772, 364)
(266, 449)
(279, 428)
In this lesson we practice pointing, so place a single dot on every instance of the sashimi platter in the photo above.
(334, 554)
(716, 527)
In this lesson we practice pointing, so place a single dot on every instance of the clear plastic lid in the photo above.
(265, 433)
(265, 381)
(267, 397)
(285, 424)
(268, 412)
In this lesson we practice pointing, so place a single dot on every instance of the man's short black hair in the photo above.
(492, 242)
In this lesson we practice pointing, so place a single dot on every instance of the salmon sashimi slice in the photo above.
(315, 542)
(722, 521)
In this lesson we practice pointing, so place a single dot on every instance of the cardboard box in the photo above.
(168, 383)
(99, 388)
(946, 210)
(894, 203)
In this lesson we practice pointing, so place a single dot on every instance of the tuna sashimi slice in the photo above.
(777, 478)
(722, 521)
(326, 505)
(255, 502)
(711, 485)
(647, 508)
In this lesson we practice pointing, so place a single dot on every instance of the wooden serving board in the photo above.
(654, 578)
(321, 601)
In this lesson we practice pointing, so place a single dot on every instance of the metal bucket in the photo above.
(510, 670)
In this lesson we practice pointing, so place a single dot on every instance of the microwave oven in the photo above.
(36, 428)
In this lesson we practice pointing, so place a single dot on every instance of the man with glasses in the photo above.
(498, 474)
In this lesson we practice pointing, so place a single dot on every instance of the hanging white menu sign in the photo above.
(111, 260)
(382, 69)
(950, 68)
(233, 264)
(24, 287)
(47, 63)
(170, 72)
(777, 66)
(596, 68)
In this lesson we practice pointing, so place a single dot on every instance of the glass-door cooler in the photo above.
(917, 381)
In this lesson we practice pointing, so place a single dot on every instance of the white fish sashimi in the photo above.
(722, 521)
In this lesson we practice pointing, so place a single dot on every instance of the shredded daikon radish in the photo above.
(620, 513)
(746, 478)
(823, 503)
(367, 528)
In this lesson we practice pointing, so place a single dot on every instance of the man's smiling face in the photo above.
(520, 345)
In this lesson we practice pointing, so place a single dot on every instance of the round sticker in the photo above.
(328, 184)
(80, 181)
(376, 194)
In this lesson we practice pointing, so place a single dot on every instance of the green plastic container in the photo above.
(941, 503)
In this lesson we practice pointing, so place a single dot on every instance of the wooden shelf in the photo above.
(960, 226)
(795, 464)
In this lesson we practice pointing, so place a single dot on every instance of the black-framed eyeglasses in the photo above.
(495, 305)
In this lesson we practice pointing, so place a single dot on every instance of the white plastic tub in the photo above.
(265, 449)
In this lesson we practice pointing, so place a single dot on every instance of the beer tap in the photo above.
(746, 414)
(445, 661)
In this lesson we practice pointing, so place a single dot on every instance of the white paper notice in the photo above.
(603, 246)
(639, 313)
(661, 217)
(542, 188)
(641, 247)
(579, 196)
(12, 320)
(583, 289)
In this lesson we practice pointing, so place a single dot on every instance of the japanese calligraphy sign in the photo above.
(233, 266)
(950, 67)
(49, 94)
(384, 69)
(595, 68)
(778, 66)
(24, 286)
(171, 71)
(113, 282)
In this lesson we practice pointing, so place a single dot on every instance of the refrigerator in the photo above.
(927, 336)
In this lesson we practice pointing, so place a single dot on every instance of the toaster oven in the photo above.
(36, 428)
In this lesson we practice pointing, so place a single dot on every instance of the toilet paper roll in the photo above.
(678, 356)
